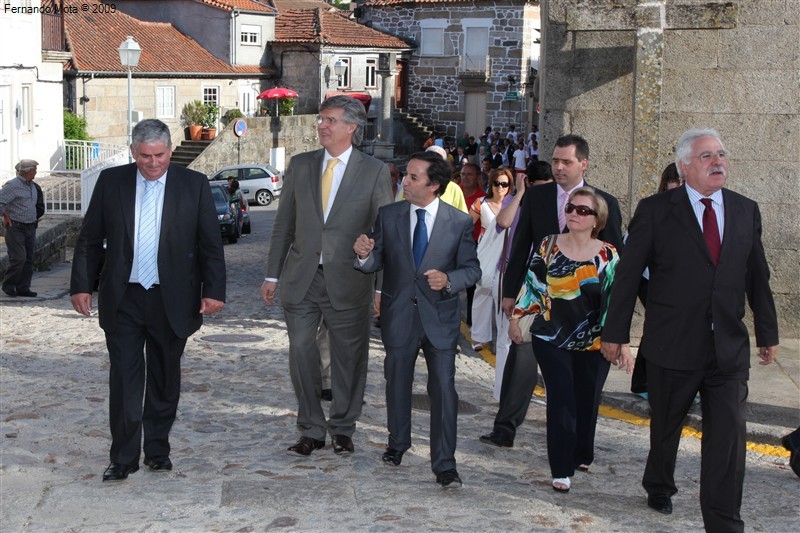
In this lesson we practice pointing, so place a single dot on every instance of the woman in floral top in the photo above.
(567, 291)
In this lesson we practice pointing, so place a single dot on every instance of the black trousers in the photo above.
(145, 376)
(574, 382)
(21, 244)
(520, 376)
(722, 399)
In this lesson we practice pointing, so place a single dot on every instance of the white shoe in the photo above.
(561, 484)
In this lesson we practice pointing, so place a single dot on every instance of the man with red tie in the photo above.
(702, 244)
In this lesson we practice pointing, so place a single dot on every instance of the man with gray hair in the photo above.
(702, 244)
(330, 196)
(18, 199)
(163, 268)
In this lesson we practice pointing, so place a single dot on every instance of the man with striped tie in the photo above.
(163, 268)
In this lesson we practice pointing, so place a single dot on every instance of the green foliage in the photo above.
(286, 106)
(75, 127)
(210, 116)
(231, 115)
(193, 113)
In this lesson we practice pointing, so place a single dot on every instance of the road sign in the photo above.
(240, 127)
(512, 95)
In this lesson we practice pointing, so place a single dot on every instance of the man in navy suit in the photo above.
(702, 244)
(427, 254)
(157, 282)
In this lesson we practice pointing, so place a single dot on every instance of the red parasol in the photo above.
(277, 92)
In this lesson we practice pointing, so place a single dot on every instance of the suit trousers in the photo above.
(722, 400)
(348, 333)
(21, 244)
(145, 359)
(574, 381)
(520, 376)
(399, 373)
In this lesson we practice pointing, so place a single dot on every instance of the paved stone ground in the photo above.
(237, 417)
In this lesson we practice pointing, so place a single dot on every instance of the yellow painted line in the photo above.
(617, 414)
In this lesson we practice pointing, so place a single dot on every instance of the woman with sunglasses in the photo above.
(566, 290)
(485, 209)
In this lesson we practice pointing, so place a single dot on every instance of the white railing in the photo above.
(68, 188)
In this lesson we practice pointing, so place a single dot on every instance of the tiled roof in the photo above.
(285, 5)
(94, 40)
(322, 26)
(241, 5)
(376, 3)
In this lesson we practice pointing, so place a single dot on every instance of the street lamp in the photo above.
(338, 68)
(129, 52)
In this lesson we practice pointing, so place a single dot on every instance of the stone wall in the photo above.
(296, 133)
(741, 79)
(54, 234)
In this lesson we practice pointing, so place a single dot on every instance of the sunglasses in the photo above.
(582, 210)
(503, 184)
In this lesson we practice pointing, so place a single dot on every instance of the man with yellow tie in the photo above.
(329, 197)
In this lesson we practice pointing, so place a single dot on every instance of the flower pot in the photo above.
(212, 133)
(195, 132)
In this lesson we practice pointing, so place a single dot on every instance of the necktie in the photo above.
(148, 239)
(420, 238)
(327, 182)
(711, 230)
(562, 216)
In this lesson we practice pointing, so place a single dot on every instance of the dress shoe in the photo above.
(306, 445)
(794, 457)
(327, 395)
(495, 438)
(11, 291)
(449, 479)
(660, 502)
(119, 471)
(28, 293)
(158, 464)
(392, 456)
(342, 444)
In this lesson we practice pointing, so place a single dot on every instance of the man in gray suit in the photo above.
(330, 196)
(426, 249)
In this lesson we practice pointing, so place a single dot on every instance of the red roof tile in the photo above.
(241, 5)
(372, 3)
(94, 39)
(284, 5)
(323, 26)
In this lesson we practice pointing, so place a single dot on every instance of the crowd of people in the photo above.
(550, 276)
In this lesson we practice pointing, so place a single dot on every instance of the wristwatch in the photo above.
(449, 287)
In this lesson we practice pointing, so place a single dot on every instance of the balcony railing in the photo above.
(475, 66)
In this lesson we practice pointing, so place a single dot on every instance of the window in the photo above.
(165, 102)
(372, 66)
(211, 95)
(344, 81)
(250, 34)
(432, 37)
(476, 44)
(26, 109)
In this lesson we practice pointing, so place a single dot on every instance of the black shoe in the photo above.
(660, 502)
(794, 457)
(11, 291)
(392, 456)
(306, 445)
(29, 293)
(327, 395)
(449, 479)
(342, 444)
(495, 438)
(158, 464)
(119, 471)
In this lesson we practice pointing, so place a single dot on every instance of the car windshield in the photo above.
(218, 194)
(271, 168)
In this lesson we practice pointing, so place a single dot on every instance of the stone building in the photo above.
(474, 64)
(632, 76)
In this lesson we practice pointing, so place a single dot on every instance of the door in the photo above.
(401, 86)
(6, 150)
(475, 113)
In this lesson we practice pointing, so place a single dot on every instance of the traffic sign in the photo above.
(240, 127)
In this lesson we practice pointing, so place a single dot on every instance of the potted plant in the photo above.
(210, 121)
(231, 115)
(192, 117)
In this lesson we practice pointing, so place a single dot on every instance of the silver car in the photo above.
(261, 184)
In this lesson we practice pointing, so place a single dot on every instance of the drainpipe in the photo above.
(232, 54)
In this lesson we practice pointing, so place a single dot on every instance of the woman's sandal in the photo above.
(561, 484)
(583, 468)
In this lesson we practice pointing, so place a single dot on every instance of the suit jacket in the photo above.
(686, 293)
(299, 235)
(191, 262)
(538, 218)
(451, 250)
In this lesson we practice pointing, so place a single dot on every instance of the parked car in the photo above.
(261, 184)
(243, 209)
(227, 214)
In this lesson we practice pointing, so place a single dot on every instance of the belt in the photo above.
(15, 223)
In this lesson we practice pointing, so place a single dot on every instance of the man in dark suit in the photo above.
(330, 196)
(702, 244)
(541, 214)
(162, 273)
(427, 254)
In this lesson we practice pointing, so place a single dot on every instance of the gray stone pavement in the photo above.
(237, 417)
